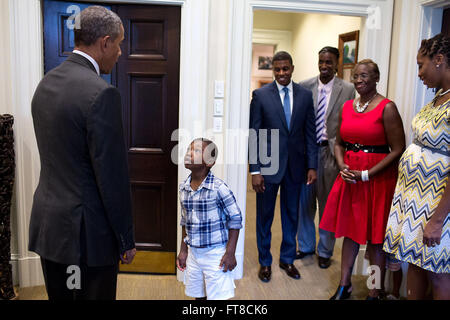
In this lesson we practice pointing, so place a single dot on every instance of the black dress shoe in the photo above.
(324, 262)
(342, 292)
(290, 269)
(301, 254)
(265, 273)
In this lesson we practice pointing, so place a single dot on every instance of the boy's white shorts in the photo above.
(202, 270)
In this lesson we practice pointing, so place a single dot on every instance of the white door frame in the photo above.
(377, 36)
(418, 19)
(280, 38)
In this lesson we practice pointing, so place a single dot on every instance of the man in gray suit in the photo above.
(81, 223)
(329, 94)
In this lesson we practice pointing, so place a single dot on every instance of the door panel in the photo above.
(446, 22)
(59, 40)
(148, 78)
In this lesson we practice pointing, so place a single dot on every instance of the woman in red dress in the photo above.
(369, 142)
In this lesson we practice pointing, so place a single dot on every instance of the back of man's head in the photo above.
(96, 22)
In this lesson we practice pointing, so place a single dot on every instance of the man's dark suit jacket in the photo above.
(83, 198)
(298, 145)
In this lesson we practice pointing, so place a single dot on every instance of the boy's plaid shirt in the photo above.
(209, 212)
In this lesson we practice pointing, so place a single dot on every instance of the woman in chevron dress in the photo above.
(418, 230)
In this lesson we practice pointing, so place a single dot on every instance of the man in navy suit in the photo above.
(283, 155)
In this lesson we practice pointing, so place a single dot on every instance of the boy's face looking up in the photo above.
(198, 155)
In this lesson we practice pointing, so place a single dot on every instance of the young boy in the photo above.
(211, 220)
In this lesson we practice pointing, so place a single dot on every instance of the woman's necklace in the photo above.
(364, 107)
(438, 95)
(444, 93)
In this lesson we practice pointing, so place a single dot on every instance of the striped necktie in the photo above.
(287, 106)
(320, 117)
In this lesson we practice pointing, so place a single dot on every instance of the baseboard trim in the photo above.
(27, 271)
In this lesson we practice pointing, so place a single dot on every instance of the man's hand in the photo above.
(258, 183)
(128, 256)
(228, 262)
(181, 260)
(311, 176)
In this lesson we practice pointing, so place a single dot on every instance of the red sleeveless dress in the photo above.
(360, 211)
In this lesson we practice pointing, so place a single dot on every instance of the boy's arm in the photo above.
(234, 223)
(228, 261)
(182, 256)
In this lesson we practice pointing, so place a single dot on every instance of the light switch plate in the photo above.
(217, 125)
(218, 107)
(219, 89)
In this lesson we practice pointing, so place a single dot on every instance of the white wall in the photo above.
(312, 32)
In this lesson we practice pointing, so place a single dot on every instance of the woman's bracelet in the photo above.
(365, 175)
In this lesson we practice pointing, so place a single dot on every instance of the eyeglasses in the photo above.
(363, 76)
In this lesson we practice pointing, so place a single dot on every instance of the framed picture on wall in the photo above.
(348, 53)
(264, 63)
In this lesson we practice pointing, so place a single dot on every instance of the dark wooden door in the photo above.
(59, 40)
(147, 76)
(148, 79)
(446, 22)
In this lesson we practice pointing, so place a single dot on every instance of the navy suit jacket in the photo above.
(297, 147)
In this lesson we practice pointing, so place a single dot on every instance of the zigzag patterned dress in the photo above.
(423, 174)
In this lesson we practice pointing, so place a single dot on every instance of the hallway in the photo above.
(315, 283)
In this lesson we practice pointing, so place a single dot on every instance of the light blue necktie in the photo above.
(320, 117)
(287, 106)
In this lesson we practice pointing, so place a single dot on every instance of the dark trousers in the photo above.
(97, 283)
(265, 208)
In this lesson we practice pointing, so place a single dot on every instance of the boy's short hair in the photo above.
(211, 151)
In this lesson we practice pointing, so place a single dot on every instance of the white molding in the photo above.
(239, 64)
(350, 8)
(193, 84)
(156, 2)
(418, 20)
(430, 25)
(26, 72)
(434, 3)
(280, 38)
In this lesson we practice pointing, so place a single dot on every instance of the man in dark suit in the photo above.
(286, 157)
(329, 94)
(81, 223)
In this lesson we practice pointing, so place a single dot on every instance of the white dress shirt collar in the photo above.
(328, 87)
(280, 87)
(92, 60)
